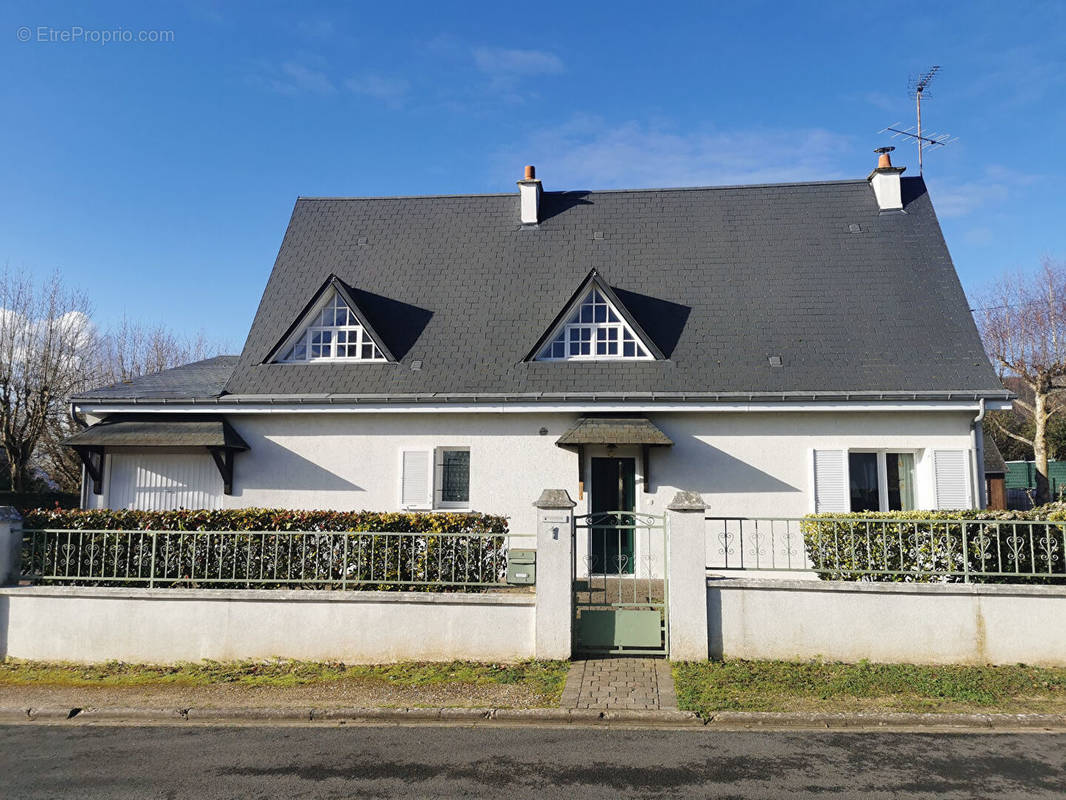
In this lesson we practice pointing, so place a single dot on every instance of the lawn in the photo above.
(538, 681)
(735, 685)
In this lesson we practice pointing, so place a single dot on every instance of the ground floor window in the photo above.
(881, 481)
(437, 478)
(453, 469)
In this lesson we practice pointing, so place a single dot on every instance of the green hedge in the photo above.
(445, 551)
(264, 519)
(928, 546)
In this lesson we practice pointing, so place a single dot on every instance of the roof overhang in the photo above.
(159, 433)
(614, 431)
(214, 435)
(541, 402)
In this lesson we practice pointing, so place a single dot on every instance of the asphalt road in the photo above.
(85, 761)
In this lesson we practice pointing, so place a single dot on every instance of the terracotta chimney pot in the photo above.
(531, 172)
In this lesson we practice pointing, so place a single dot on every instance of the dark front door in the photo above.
(613, 494)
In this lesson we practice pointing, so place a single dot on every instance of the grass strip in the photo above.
(736, 685)
(544, 677)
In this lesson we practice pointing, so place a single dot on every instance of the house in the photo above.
(780, 349)
(995, 476)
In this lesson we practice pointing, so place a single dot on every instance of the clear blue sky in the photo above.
(160, 176)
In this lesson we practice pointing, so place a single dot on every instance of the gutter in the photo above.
(977, 433)
(552, 397)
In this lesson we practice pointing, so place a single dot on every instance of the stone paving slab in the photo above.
(609, 683)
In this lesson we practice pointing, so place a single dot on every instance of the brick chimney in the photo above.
(529, 190)
(885, 181)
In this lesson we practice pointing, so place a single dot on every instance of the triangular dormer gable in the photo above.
(595, 326)
(331, 328)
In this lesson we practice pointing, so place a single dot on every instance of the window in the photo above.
(445, 471)
(453, 468)
(594, 331)
(881, 481)
(335, 334)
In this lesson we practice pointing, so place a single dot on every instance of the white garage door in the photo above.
(164, 481)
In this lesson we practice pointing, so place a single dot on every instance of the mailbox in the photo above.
(522, 567)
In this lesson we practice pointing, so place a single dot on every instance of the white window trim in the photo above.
(438, 481)
(433, 501)
(304, 334)
(567, 328)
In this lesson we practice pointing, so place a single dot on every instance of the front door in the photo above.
(613, 490)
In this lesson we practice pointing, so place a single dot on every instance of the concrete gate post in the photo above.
(555, 554)
(10, 545)
(687, 577)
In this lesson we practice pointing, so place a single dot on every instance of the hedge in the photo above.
(927, 546)
(453, 548)
(263, 519)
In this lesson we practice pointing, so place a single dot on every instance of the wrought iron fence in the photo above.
(878, 549)
(266, 559)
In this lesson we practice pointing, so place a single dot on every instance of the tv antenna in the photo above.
(919, 87)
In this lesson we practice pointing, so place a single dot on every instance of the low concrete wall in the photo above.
(886, 622)
(169, 625)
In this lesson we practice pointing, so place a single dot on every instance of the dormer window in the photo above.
(334, 332)
(334, 335)
(595, 330)
(595, 326)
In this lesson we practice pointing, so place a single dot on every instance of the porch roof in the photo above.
(614, 430)
(211, 433)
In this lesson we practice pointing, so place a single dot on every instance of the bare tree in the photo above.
(127, 351)
(132, 349)
(1023, 324)
(45, 345)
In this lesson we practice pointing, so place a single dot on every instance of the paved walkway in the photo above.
(632, 683)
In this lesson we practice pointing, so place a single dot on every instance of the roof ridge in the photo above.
(648, 190)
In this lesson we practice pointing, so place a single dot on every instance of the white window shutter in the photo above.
(831, 481)
(952, 476)
(417, 474)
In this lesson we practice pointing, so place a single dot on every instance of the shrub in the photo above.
(939, 546)
(262, 519)
(300, 549)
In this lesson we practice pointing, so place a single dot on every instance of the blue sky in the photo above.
(160, 176)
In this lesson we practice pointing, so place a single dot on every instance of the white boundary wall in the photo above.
(886, 622)
(170, 625)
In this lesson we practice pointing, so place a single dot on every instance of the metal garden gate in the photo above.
(619, 583)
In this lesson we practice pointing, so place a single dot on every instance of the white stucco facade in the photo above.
(744, 463)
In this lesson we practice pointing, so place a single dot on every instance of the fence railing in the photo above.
(848, 548)
(266, 559)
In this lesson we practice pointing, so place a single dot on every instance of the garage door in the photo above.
(164, 481)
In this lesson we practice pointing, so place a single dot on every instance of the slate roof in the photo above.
(614, 430)
(159, 433)
(853, 302)
(198, 380)
(993, 459)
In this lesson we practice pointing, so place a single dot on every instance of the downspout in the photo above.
(80, 423)
(978, 435)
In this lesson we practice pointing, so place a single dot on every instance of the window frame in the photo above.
(570, 332)
(353, 328)
(882, 474)
(438, 479)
